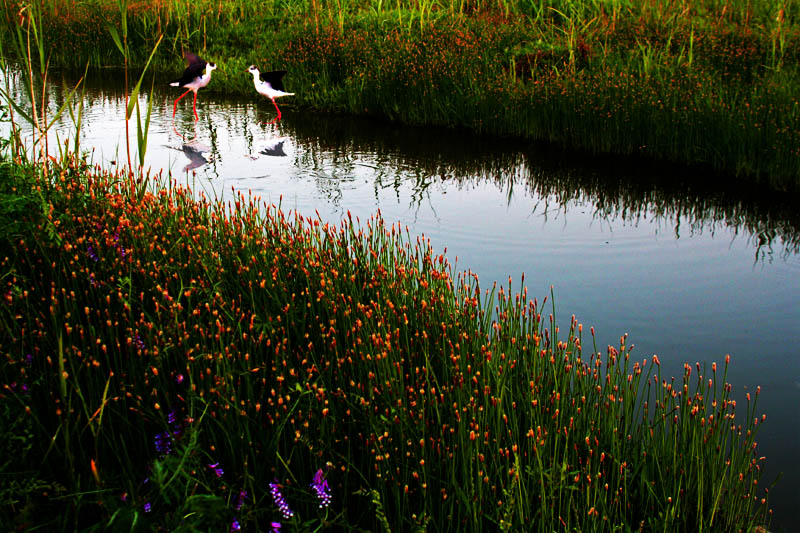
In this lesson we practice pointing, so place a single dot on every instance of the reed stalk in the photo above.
(197, 364)
(218, 348)
(511, 68)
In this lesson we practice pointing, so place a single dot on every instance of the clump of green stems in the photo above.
(280, 344)
(120, 38)
(285, 343)
(30, 46)
(680, 80)
(28, 43)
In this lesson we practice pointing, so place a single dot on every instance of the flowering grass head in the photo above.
(269, 334)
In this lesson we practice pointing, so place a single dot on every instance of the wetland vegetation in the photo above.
(171, 362)
(694, 81)
(174, 363)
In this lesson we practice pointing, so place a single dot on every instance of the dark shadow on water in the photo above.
(689, 199)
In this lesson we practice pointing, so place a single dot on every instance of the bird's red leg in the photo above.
(276, 109)
(175, 106)
(194, 107)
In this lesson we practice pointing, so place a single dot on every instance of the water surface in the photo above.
(690, 265)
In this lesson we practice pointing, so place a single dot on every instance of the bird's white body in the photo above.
(198, 82)
(264, 87)
(196, 76)
(270, 85)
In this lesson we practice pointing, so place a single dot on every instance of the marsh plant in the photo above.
(33, 117)
(172, 361)
(218, 348)
(684, 80)
(28, 44)
(120, 38)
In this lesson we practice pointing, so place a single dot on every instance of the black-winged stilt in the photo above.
(196, 76)
(270, 85)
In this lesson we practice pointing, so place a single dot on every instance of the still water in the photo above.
(690, 265)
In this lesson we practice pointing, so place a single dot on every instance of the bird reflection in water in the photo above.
(275, 148)
(195, 152)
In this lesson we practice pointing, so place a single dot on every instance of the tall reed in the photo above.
(598, 76)
(192, 350)
(29, 44)
(132, 100)
(172, 361)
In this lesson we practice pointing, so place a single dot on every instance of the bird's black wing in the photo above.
(193, 59)
(195, 67)
(274, 79)
(191, 73)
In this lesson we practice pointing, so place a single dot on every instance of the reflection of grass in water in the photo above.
(619, 189)
(183, 352)
(679, 81)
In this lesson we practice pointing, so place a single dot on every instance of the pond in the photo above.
(690, 265)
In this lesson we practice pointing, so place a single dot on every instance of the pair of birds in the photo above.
(198, 74)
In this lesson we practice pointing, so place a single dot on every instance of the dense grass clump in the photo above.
(171, 362)
(689, 81)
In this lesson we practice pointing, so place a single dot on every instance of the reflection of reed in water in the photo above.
(690, 200)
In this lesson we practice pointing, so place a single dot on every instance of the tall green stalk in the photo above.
(27, 32)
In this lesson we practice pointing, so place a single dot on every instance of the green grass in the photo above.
(272, 346)
(171, 362)
(704, 82)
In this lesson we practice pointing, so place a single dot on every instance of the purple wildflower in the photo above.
(14, 386)
(240, 499)
(276, 527)
(217, 469)
(93, 255)
(137, 340)
(163, 443)
(235, 525)
(171, 417)
(147, 507)
(320, 486)
(28, 359)
(277, 497)
(117, 245)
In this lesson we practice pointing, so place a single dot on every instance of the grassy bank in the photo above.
(171, 363)
(168, 362)
(690, 81)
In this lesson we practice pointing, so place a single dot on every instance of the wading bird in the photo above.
(270, 85)
(196, 76)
